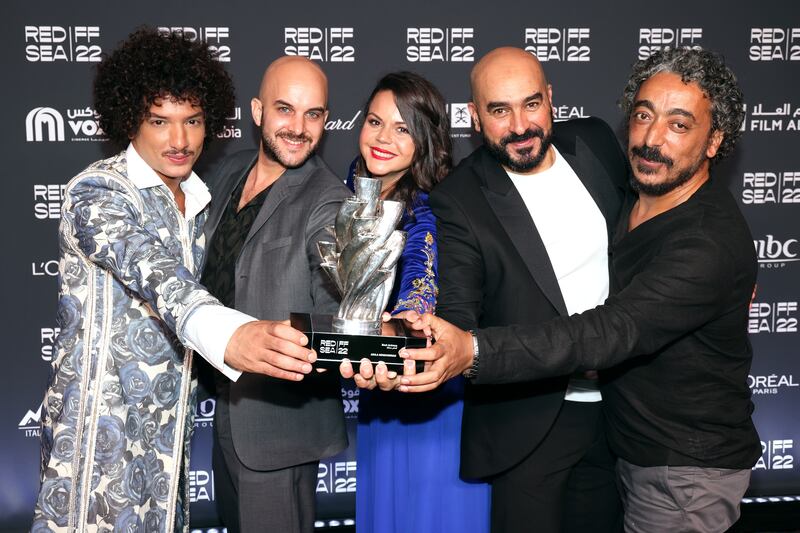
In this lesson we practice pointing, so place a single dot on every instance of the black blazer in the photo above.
(494, 271)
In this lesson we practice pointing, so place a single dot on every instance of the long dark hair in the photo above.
(423, 110)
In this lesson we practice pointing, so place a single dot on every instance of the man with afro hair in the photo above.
(117, 414)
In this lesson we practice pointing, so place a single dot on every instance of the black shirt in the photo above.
(676, 319)
(219, 274)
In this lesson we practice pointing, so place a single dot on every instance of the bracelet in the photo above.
(472, 371)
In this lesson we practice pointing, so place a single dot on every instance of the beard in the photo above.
(526, 160)
(270, 149)
(673, 179)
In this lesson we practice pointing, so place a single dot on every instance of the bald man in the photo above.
(524, 224)
(269, 208)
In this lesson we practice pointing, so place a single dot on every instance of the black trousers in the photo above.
(567, 484)
(253, 501)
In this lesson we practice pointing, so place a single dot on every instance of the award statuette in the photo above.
(361, 260)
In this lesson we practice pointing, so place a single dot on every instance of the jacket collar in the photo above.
(144, 177)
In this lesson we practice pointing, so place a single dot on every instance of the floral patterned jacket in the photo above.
(118, 411)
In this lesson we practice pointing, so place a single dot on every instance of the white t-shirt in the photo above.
(573, 231)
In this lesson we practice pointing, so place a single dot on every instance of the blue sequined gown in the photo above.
(408, 446)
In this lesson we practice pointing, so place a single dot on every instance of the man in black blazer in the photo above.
(269, 208)
(683, 269)
(546, 458)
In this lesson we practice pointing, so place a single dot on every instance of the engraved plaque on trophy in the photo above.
(361, 259)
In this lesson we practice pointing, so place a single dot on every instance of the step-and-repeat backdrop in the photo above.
(49, 51)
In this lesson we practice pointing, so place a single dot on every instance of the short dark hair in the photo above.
(424, 111)
(708, 70)
(150, 65)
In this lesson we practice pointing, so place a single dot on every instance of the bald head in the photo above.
(512, 108)
(296, 70)
(503, 63)
(291, 109)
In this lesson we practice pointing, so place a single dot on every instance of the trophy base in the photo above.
(332, 346)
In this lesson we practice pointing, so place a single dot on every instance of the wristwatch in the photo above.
(472, 371)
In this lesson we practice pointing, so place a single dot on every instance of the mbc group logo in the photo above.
(775, 253)
(47, 124)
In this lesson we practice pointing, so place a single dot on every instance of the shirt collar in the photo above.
(144, 177)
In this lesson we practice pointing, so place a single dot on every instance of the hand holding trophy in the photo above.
(361, 260)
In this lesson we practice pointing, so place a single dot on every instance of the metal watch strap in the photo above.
(472, 371)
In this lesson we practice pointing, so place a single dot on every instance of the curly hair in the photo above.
(423, 109)
(150, 65)
(715, 79)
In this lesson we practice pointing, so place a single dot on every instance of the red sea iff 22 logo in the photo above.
(50, 44)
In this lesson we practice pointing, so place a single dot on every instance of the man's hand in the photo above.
(380, 376)
(272, 348)
(451, 354)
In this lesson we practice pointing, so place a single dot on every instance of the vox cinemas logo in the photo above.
(776, 455)
(231, 129)
(785, 117)
(651, 40)
(559, 44)
(771, 384)
(767, 187)
(774, 44)
(47, 200)
(48, 338)
(46, 124)
(30, 424)
(772, 317)
(336, 477)
(776, 253)
(350, 402)
(446, 45)
(215, 36)
(329, 44)
(49, 44)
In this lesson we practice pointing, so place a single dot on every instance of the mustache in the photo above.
(185, 152)
(651, 153)
(530, 133)
(293, 136)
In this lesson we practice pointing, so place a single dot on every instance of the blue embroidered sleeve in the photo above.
(417, 266)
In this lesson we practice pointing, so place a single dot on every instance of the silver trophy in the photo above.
(362, 257)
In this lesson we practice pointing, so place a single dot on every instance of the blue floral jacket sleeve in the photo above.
(417, 269)
(107, 225)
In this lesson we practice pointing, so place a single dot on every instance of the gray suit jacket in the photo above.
(276, 423)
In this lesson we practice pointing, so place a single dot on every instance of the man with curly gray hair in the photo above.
(673, 333)
(117, 415)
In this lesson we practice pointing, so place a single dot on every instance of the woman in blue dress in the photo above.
(408, 445)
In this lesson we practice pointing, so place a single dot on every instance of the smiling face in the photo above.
(512, 109)
(385, 142)
(291, 110)
(670, 137)
(170, 138)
